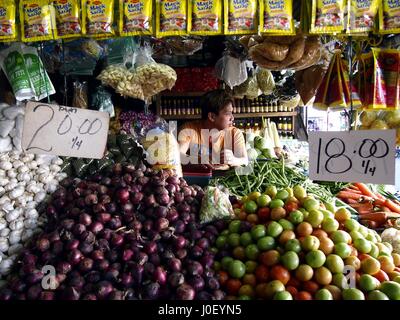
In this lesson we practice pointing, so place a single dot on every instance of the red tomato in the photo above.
(222, 277)
(292, 290)
(263, 214)
(291, 206)
(303, 295)
(381, 276)
(233, 286)
(280, 273)
(261, 273)
(310, 286)
(294, 282)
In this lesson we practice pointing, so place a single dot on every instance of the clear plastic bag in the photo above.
(265, 80)
(80, 99)
(392, 236)
(215, 205)
(162, 149)
(231, 70)
(102, 101)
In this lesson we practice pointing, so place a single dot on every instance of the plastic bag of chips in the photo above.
(98, 18)
(171, 18)
(8, 29)
(240, 17)
(389, 17)
(327, 16)
(361, 15)
(205, 17)
(68, 23)
(135, 17)
(37, 22)
(276, 17)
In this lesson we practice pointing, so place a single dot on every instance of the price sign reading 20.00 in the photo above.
(355, 156)
(64, 131)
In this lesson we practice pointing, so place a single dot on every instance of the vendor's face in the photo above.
(224, 119)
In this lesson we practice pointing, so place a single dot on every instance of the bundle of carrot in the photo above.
(374, 210)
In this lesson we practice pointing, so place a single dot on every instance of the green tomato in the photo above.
(266, 243)
(234, 226)
(323, 294)
(296, 217)
(290, 260)
(315, 259)
(236, 269)
(293, 245)
(274, 229)
(245, 239)
(276, 203)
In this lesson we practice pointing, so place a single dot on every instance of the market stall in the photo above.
(98, 200)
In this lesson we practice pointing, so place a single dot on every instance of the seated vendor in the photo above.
(213, 140)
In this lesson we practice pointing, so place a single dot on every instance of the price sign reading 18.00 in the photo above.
(356, 156)
(64, 131)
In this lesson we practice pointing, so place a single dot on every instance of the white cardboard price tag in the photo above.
(64, 131)
(356, 156)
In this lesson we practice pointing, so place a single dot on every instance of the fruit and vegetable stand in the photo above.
(87, 214)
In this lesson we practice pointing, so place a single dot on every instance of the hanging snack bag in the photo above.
(361, 15)
(68, 24)
(276, 17)
(135, 17)
(37, 22)
(171, 18)
(205, 17)
(327, 16)
(8, 10)
(13, 64)
(387, 77)
(240, 17)
(98, 18)
(38, 76)
(389, 17)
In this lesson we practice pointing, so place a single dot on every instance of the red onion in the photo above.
(91, 199)
(136, 197)
(43, 244)
(47, 295)
(173, 180)
(63, 267)
(86, 264)
(150, 247)
(96, 227)
(93, 277)
(71, 293)
(89, 296)
(180, 242)
(175, 264)
(97, 255)
(72, 245)
(57, 247)
(117, 240)
(152, 290)
(102, 265)
(127, 255)
(194, 268)
(85, 219)
(78, 229)
(181, 253)
(123, 195)
(34, 292)
(127, 280)
(179, 226)
(116, 295)
(74, 257)
(115, 222)
(103, 217)
(197, 283)
(103, 289)
(162, 224)
(179, 197)
(149, 200)
(160, 276)
(185, 292)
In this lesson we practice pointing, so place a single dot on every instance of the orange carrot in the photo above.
(348, 195)
(353, 187)
(364, 189)
(392, 206)
(352, 190)
(350, 201)
(378, 217)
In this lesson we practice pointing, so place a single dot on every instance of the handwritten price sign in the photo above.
(357, 156)
(64, 131)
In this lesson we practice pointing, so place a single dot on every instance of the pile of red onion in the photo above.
(132, 234)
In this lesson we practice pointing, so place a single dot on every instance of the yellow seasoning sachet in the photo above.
(276, 17)
(8, 29)
(37, 20)
(389, 16)
(240, 17)
(135, 17)
(205, 17)
(361, 15)
(68, 22)
(98, 18)
(171, 18)
(327, 16)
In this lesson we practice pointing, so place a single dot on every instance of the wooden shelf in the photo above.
(266, 114)
(182, 117)
(237, 115)
(181, 94)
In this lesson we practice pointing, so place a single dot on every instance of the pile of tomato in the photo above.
(285, 245)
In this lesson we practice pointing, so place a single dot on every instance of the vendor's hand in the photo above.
(227, 156)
